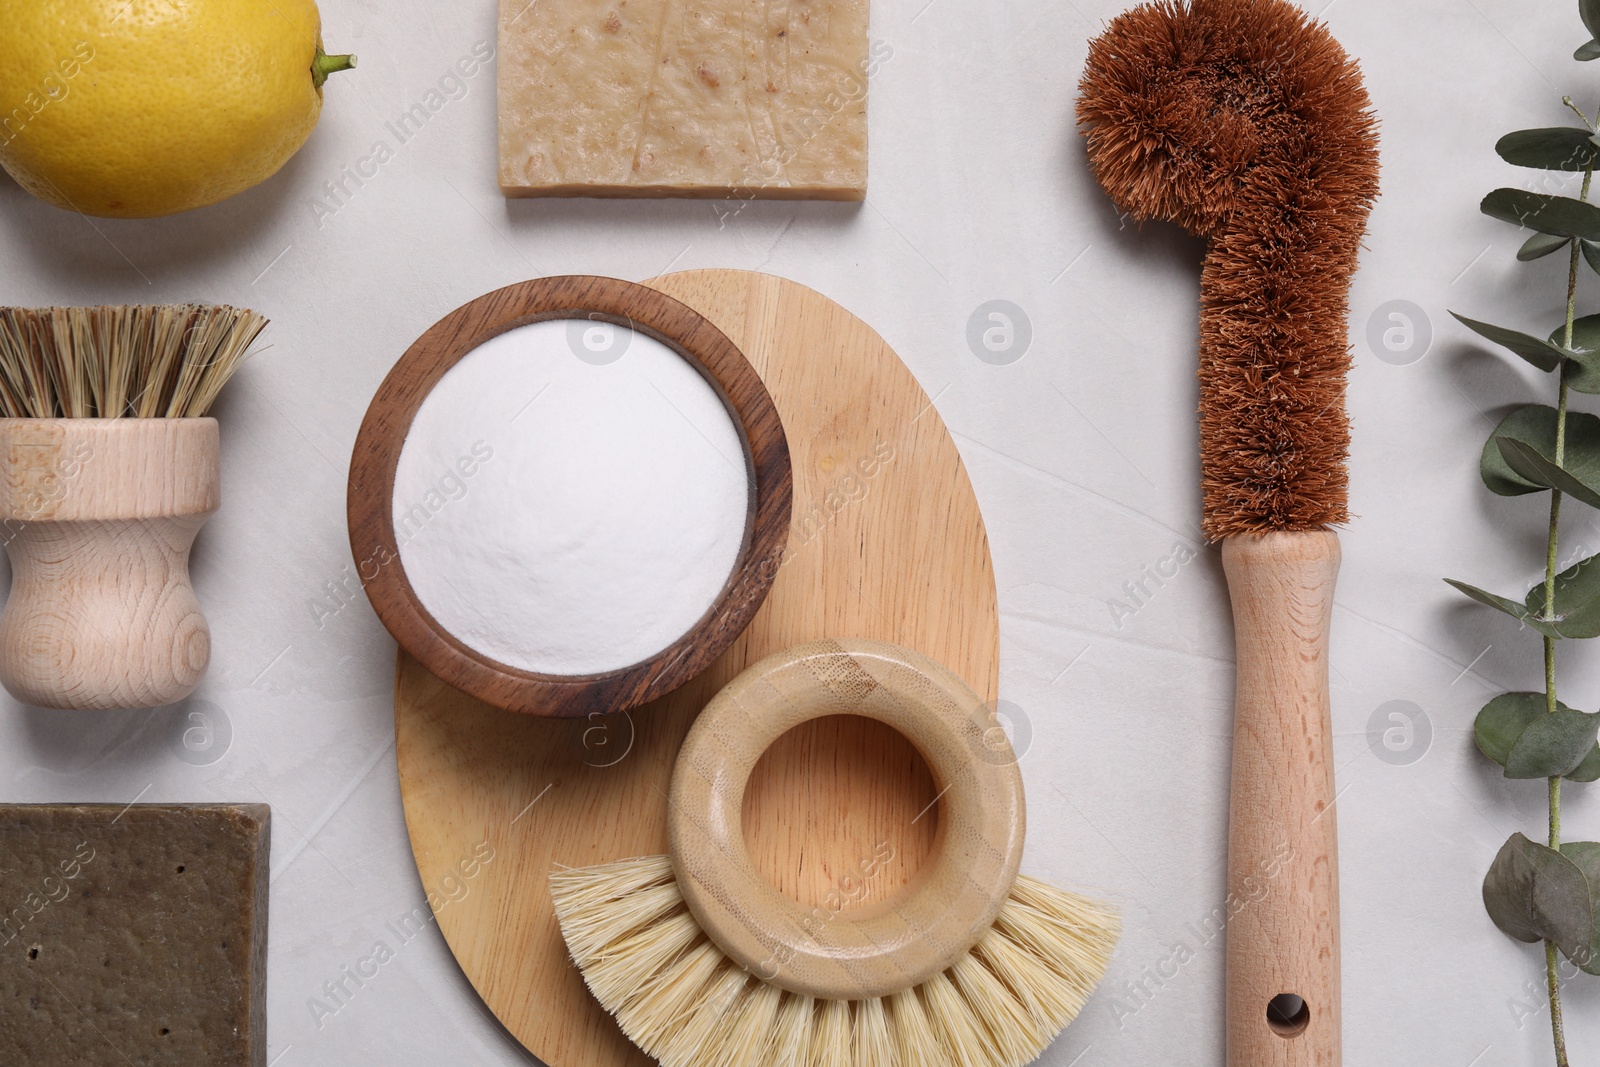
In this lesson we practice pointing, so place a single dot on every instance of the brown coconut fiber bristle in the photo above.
(1245, 122)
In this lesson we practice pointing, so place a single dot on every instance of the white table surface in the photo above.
(1082, 453)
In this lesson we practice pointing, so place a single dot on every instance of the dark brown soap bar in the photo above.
(133, 935)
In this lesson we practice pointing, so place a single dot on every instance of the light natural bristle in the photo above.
(1245, 122)
(683, 1002)
(161, 361)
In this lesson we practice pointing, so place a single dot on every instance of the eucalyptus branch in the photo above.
(1552, 975)
(1549, 893)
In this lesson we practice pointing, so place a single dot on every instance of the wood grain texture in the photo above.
(820, 951)
(886, 542)
(1282, 841)
(388, 420)
(98, 516)
(805, 790)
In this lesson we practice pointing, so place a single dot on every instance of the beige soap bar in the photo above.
(707, 98)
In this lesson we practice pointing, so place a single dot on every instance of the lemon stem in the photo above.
(325, 65)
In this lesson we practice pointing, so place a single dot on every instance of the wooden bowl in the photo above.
(383, 434)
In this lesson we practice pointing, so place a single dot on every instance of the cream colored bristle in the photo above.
(681, 1000)
(600, 905)
(791, 1032)
(670, 999)
(918, 1039)
(112, 362)
(694, 1032)
(1051, 1002)
(1013, 1033)
(610, 881)
(746, 1027)
(960, 1030)
(1068, 932)
(874, 1041)
(624, 970)
(831, 1039)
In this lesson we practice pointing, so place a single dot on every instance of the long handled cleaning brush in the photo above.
(703, 962)
(108, 469)
(1244, 121)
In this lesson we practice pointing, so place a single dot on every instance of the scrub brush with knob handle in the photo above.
(705, 964)
(1245, 122)
(109, 466)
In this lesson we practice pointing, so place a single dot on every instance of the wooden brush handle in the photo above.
(1283, 882)
(97, 516)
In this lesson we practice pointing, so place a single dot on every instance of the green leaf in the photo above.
(1510, 607)
(1589, 12)
(1589, 769)
(1553, 148)
(1534, 893)
(1535, 424)
(1586, 856)
(1591, 254)
(1587, 52)
(1535, 467)
(1540, 245)
(1583, 360)
(1502, 720)
(1577, 606)
(1540, 353)
(1553, 744)
(1508, 717)
(1561, 215)
(1585, 334)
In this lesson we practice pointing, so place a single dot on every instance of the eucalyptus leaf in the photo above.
(1534, 423)
(1589, 12)
(1561, 215)
(1552, 148)
(1587, 52)
(1502, 720)
(1535, 350)
(1510, 607)
(1553, 744)
(1585, 334)
(1583, 360)
(1586, 856)
(1534, 893)
(1588, 770)
(1577, 602)
(1540, 245)
(1531, 465)
(1591, 254)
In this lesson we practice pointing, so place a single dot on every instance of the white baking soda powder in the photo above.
(571, 498)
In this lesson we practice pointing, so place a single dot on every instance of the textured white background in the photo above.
(1082, 453)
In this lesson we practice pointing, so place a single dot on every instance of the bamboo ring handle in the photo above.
(955, 898)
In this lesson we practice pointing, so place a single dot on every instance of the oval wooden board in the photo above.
(886, 543)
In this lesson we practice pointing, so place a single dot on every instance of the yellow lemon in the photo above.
(138, 108)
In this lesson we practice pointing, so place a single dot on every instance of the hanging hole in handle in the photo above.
(1288, 1015)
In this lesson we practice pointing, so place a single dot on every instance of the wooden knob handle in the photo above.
(98, 516)
(1283, 883)
(958, 894)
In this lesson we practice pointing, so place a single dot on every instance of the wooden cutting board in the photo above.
(886, 542)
